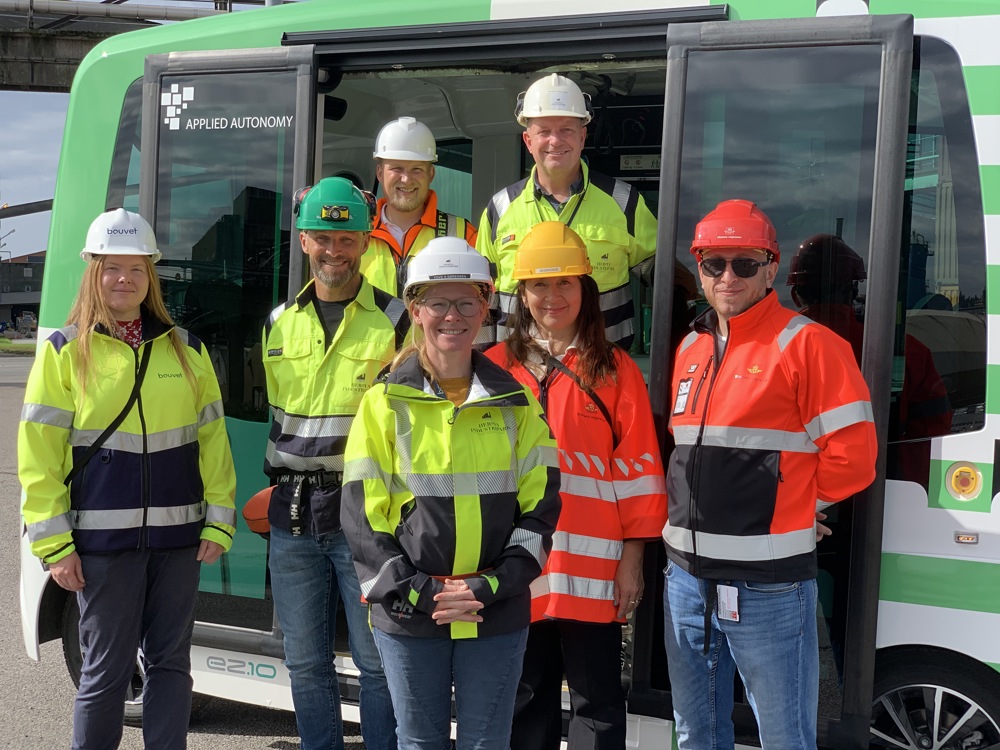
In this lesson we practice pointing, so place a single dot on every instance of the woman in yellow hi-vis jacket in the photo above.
(128, 482)
(451, 495)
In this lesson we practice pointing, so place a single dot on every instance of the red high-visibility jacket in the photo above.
(609, 494)
(783, 421)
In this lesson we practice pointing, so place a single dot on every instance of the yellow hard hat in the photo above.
(551, 249)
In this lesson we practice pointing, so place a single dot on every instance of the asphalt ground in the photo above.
(36, 698)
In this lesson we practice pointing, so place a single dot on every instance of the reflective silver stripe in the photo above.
(220, 514)
(461, 483)
(367, 586)
(651, 484)
(539, 455)
(50, 415)
(49, 527)
(331, 426)
(839, 418)
(451, 226)
(403, 433)
(688, 340)
(616, 298)
(539, 587)
(487, 334)
(530, 541)
(506, 302)
(128, 442)
(585, 588)
(621, 193)
(210, 413)
(587, 546)
(276, 313)
(750, 438)
(792, 328)
(582, 486)
(284, 460)
(395, 310)
(131, 518)
(177, 516)
(501, 202)
(743, 548)
(638, 465)
(620, 330)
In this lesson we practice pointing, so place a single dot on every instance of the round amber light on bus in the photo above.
(965, 481)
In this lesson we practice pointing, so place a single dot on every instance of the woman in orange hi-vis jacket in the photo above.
(613, 494)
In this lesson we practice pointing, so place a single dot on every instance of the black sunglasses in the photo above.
(745, 268)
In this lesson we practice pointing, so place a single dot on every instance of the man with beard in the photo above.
(322, 351)
(407, 217)
(772, 422)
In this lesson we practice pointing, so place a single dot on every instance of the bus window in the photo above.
(223, 222)
(123, 185)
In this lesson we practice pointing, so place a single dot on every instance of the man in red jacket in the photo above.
(772, 421)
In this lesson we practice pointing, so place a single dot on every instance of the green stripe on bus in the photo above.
(990, 176)
(746, 11)
(935, 8)
(992, 279)
(982, 83)
(991, 664)
(993, 388)
(933, 582)
(939, 497)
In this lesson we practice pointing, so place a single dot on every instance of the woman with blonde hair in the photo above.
(449, 502)
(613, 495)
(128, 482)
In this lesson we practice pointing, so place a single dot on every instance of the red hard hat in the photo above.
(736, 223)
(825, 259)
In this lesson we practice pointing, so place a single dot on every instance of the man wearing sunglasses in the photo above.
(772, 422)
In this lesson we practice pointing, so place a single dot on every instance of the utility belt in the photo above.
(317, 479)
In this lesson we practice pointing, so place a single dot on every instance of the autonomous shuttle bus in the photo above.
(877, 122)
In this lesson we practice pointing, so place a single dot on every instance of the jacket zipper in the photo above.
(144, 533)
(692, 502)
(694, 403)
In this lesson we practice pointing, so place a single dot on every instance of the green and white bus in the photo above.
(875, 120)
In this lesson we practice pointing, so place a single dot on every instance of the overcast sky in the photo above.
(29, 155)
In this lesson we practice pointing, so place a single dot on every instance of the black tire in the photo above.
(918, 690)
(74, 664)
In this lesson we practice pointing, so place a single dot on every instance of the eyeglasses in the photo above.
(745, 268)
(438, 307)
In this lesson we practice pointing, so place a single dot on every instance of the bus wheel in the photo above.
(933, 700)
(74, 664)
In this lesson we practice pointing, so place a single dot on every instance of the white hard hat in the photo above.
(120, 232)
(445, 259)
(405, 139)
(552, 96)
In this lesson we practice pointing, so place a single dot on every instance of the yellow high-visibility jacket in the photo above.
(432, 490)
(164, 479)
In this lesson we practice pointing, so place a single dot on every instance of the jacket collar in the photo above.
(583, 182)
(758, 314)
(365, 296)
(152, 328)
(493, 379)
(427, 219)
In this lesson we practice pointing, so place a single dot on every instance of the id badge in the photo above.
(729, 608)
(683, 391)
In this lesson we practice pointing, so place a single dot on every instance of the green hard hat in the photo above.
(334, 203)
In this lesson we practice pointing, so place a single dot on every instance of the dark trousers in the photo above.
(589, 654)
(131, 599)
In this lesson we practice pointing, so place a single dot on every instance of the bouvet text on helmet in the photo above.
(446, 259)
(333, 204)
(120, 232)
(552, 96)
(405, 139)
(550, 248)
(825, 259)
(736, 223)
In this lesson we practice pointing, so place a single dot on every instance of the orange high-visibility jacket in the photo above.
(783, 421)
(609, 494)
(381, 261)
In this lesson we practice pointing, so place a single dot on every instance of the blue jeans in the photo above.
(307, 575)
(485, 673)
(774, 646)
(138, 598)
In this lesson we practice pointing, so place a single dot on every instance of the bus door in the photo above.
(226, 139)
(807, 118)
